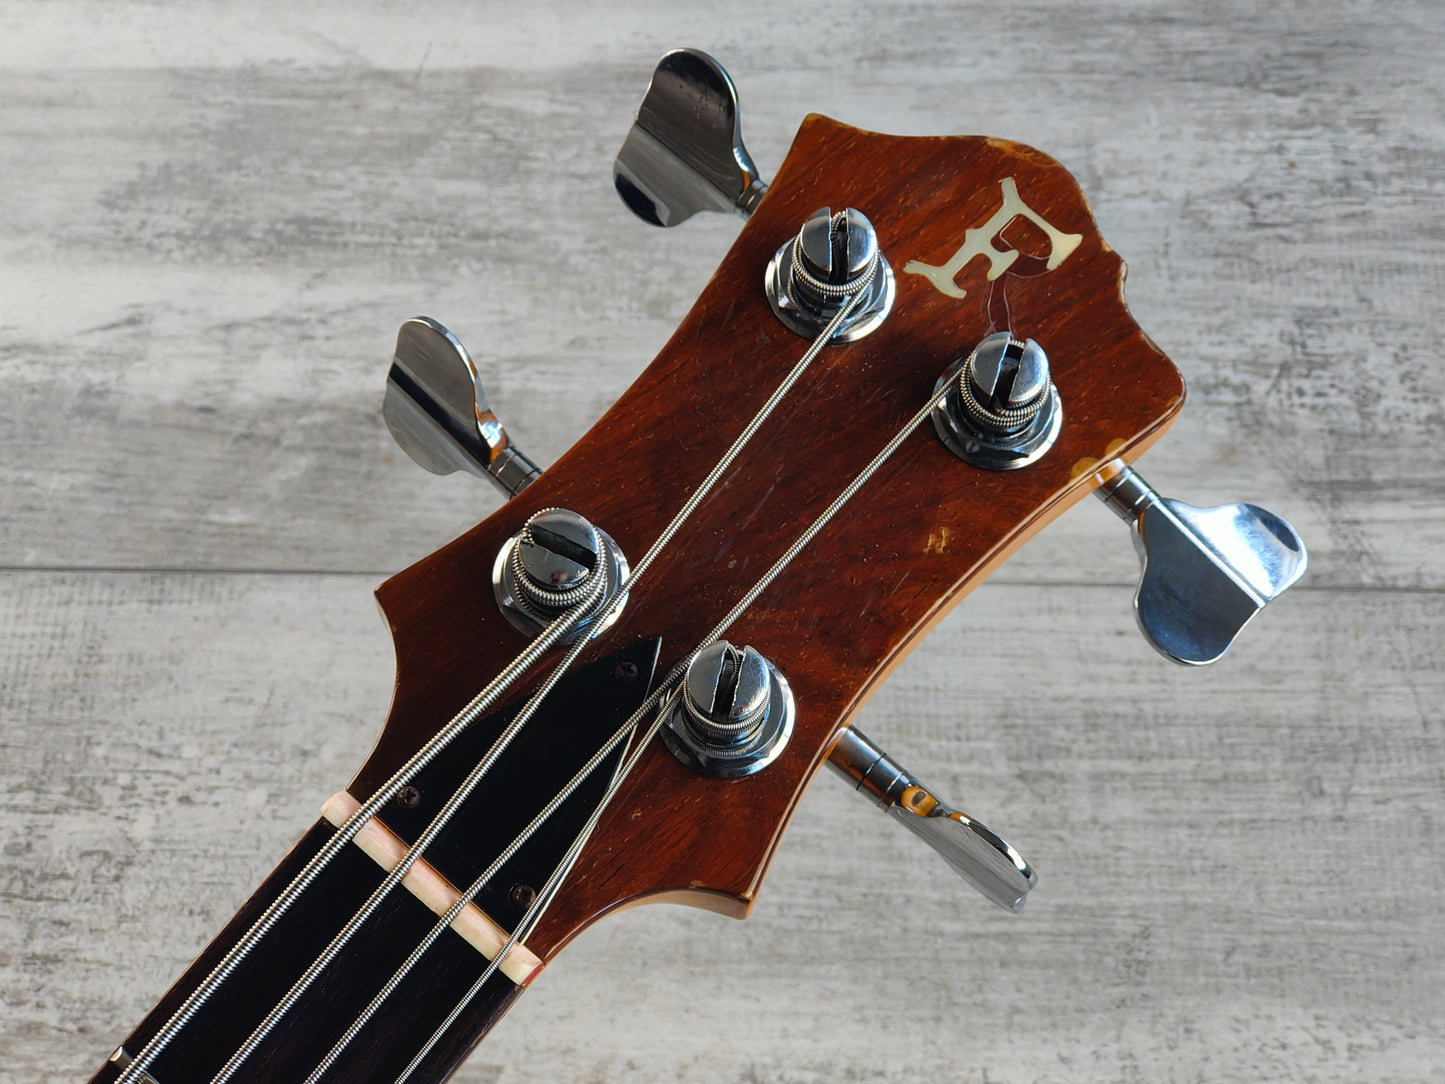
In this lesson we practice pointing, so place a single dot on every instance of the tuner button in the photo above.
(1206, 571)
(973, 851)
(437, 411)
(548, 567)
(685, 151)
(1001, 411)
(817, 271)
(733, 714)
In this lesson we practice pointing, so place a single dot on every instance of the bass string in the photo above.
(338, 943)
(378, 896)
(228, 964)
(538, 907)
(273, 913)
(617, 738)
(554, 882)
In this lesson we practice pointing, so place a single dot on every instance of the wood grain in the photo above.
(213, 221)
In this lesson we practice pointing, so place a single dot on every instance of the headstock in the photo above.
(979, 236)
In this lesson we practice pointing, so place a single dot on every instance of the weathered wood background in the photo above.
(212, 221)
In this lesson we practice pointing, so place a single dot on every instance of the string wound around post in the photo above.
(833, 259)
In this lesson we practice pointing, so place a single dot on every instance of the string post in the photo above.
(831, 260)
(733, 713)
(1000, 410)
(557, 561)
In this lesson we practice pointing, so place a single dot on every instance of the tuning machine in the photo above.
(437, 411)
(1206, 571)
(685, 154)
(685, 151)
(972, 850)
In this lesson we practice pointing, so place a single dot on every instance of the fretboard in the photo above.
(308, 1032)
(585, 708)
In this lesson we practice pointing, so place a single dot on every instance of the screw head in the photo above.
(408, 797)
(522, 896)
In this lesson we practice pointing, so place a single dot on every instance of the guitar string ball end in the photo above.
(733, 714)
(551, 565)
(1002, 411)
(814, 274)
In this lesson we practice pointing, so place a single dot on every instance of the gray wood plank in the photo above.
(212, 220)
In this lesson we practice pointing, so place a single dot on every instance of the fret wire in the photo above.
(544, 898)
(238, 952)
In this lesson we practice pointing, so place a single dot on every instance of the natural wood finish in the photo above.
(434, 890)
(911, 544)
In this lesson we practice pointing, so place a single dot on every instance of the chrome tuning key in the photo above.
(437, 411)
(685, 151)
(1207, 571)
(551, 565)
(973, 851)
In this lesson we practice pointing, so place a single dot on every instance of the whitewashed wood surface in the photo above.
(212, 220)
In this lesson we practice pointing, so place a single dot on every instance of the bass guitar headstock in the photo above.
(982, 285)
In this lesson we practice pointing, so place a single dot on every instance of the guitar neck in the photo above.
(304, 1036)
(588, 704)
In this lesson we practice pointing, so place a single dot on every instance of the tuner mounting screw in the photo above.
(550, 566)
(812, 276)
(1001, 411)
(733, 714)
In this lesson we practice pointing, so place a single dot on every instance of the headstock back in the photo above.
(983, 235)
